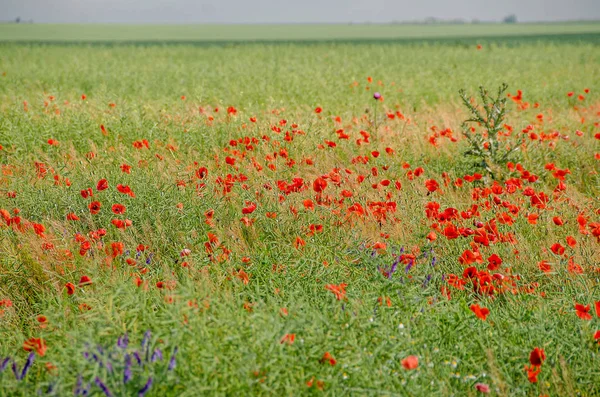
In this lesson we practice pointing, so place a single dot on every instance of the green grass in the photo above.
(216, 33)
(227, 332)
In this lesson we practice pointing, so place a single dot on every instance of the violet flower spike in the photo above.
(146, 346)
(127, 370)
(103, 387)
(409, 266)
(426, 281)
(146, 387)
(27, 365)
(137, 357)
(157, 355)
(123, 341)
(172, 362)
(15, 370)
(78, 385)
(4, 364)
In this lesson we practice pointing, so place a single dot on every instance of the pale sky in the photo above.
(286, 11)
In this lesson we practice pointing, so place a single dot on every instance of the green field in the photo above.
(316, 32)
(228, 241)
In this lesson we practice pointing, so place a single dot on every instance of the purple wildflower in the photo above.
(426, 281)
(376, 95)
(137, 357)
(172, 362)
(123, 341)
(409, 266)
(103, 387)
(149, 259)
(127, 370)
(15, 369)
(4, 364)
(146, 387)
(394, 267)
(157, 355)
(146, 339)
(50, 388)
(146, 344)
(109, 366)
(27, 365)
(78, 385)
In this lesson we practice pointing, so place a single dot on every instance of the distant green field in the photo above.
(200, 33)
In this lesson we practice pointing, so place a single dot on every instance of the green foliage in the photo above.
(488, 150)
(228, 333)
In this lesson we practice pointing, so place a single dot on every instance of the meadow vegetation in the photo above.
(248, 219)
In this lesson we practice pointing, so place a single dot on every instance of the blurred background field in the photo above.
(81, 100)
(286, 32)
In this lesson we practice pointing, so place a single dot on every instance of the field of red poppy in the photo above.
(299, 219)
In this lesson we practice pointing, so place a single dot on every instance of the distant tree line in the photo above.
(18, 20)
(512, 18)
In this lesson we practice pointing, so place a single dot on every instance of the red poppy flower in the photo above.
(480, 312)
(118, 209)
(117, 249)
(37, 344)
(288, 338)
(597, 305)
(545, 266)
(250, 208)
(532, 218)
(319, 185)
(72, 217)
(379, 246)
(94, 207)
(532, 373)
(327, 357)
(537, 356)
(583, 312)
(42, 320)
(70, 288)
(469, 257)
(338, 290)
(85, 280)
(482, 387)
(432, 185)
(102, 185)
(87, 193)
(125, 190)
(299, 243)
(557, 249)
(410, 362)
(494, 262)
